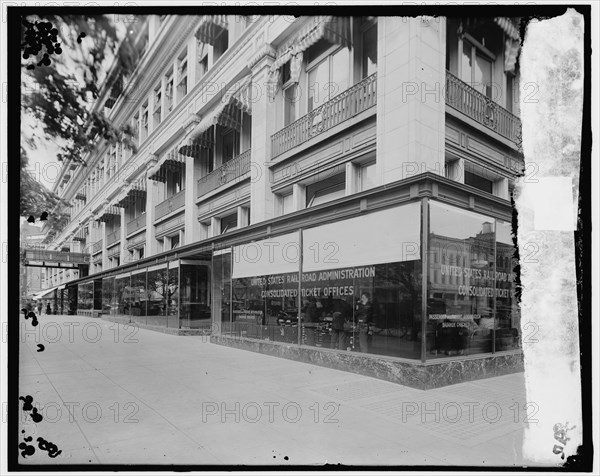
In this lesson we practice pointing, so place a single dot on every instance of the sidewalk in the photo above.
(111, 394)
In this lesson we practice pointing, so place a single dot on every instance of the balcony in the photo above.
(482, 109)
(97, 247)
(136, 224)
(113, 237)
(228, 172)
(342, 107)
(170, 205)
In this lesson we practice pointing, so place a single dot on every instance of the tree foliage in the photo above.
(64, 61)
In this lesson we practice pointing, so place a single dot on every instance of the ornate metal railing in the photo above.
(481, 108)
(342, 107)
(228, 172)
(136, 224)
(97, 247)
(171, 204)
(113, 237)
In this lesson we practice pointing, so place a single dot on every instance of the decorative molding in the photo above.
(262, 50)
(190, 122)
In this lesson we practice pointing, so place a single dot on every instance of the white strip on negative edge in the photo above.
(551, 199)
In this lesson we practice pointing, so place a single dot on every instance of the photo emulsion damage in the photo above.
(299, 238)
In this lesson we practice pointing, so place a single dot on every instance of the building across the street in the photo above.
(329, 189)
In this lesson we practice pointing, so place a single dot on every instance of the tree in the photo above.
(35, 199)
(64, 59)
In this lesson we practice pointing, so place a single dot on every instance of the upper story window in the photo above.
(477, 67)
(286, 203)
(229, 222)
(220, 45)
(230, 144)
(479, 182)
(366, 176)
(175, 182)
(202, 63)
(135, 128)
(328, 71)
(182, 72)
(369, 49)
(475, 52)
(145, 126)
(156, 115)
(331, 188)
(139, 208)
(290, 96)
(169, 91)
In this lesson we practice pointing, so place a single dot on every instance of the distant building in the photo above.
(287, 171)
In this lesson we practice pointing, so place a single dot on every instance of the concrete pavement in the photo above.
(111, 394)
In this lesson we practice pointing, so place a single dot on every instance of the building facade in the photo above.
(331, 189)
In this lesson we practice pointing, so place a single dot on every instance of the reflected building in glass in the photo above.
(330, 189)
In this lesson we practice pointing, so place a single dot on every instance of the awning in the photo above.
(109, 212)
(336, 30)
(225, 113)
(80, 235)
(508, 27)
(132, 193)
(45, 292)
(512, 44)
(211, 26)
(172, 160)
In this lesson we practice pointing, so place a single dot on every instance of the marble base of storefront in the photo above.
(433, 374)
(165, 330)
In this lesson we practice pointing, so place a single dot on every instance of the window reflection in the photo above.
(468, 283)
(157, 297)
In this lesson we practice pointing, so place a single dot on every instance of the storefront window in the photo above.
(85, 296)
(221, 292)
(508, 317)
(122, 297)
(460, 301)
(195, 295)
(139, 297)
(157, 296)
(108, 285)
(173, 296)
(266, 306)
(97, 294)
(372, 309)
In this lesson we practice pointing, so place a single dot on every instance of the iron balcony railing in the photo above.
(342, 107)
(97, 247)
(136, 224)
(171, 204)
(113, 237)
(231, 170)
(484, 110)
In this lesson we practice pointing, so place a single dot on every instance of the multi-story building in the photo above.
(331, 189)
(32, 280)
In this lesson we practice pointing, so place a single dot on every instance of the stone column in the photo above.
(410, 103)
(351, 178)
(261, 196)
(299, 196)
(122, 246)
(215, 226)
(243, 217)
(104, 242)
(151, 199)
(193, 172)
